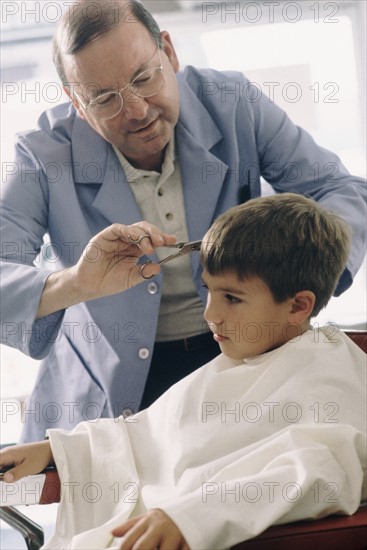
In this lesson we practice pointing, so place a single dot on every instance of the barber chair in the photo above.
(330, 533)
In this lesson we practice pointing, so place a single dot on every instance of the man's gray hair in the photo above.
(88, 20)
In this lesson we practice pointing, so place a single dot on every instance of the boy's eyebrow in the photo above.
(230, 290)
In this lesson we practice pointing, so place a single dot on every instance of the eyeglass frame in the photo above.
(119, 93)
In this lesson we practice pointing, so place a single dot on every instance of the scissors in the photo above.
(182, 250)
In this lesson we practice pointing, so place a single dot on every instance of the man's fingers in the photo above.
(136, 239)
(156, 236)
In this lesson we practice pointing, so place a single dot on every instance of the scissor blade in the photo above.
(184, 248)
(187, 248)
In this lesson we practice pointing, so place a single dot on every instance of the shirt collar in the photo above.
(136, 174)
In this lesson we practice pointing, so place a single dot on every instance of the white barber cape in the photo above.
(230, 450)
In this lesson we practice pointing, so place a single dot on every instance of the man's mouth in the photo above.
(144, 127)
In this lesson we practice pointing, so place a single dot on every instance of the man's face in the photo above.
(143, 128)
(245, 319)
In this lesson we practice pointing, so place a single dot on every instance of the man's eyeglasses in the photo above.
(108, 105)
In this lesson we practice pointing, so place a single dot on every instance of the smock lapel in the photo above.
(95, 163)
(202, 172)
(115, 199)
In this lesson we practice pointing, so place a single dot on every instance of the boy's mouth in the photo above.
(219, 338)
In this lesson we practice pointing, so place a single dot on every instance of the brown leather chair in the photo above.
(330, 533)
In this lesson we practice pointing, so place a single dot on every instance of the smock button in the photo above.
(152, 288)
(169, 216)
(143, 353)
(127, 412)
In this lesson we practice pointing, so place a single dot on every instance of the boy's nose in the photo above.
(212, 314)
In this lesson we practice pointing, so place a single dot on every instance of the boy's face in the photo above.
(245, 319)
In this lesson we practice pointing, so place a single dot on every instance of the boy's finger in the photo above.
(8, 476)
(6, 460)
(125, 527)
(16, 473)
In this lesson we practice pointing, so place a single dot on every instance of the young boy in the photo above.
(271, 431)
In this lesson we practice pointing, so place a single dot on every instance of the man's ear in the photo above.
(170, 51)
(74, 101)
(302, 305)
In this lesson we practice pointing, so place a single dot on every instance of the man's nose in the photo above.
(135, 107)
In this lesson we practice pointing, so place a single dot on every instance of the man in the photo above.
(139, 141)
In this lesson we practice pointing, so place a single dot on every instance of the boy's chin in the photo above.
(242, 355)
(233, 354)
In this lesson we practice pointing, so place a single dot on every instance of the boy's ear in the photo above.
(302, 305)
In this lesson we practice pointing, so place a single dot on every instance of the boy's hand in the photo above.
(28, 459)
(153, 530)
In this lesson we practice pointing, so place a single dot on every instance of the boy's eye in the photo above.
(232, 299)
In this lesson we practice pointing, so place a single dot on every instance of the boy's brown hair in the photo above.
(287, 240)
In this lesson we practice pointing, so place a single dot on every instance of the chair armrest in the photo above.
(31, 532)
(359, 337)
(42, 488)
(330, 533)
(51, 489)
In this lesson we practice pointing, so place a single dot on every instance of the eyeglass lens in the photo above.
(146, 84)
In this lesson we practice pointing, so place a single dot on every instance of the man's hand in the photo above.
(108, 265)
(153, 530)
(27, 459)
